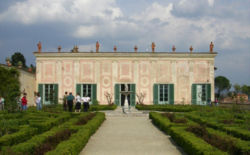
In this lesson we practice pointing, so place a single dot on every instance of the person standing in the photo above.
(38, 102)
(65, 101)
(78, 103)
(85, 100)
(70, 100)
(24, 102)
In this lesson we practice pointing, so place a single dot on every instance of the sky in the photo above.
(126, 23)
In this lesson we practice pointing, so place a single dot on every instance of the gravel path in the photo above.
(129, 134)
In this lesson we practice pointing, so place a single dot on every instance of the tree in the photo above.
(245, 89)
(221, 84)
(9, 87)
(109, 97)
(16, 57)
(237, 88)
(141, 97)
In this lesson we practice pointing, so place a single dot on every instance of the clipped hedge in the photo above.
(192, 144)
(235, 131)
(102, 107)
(23, 134)
(29, 146)
(78, 140)
(167, 107)
(240, 146)
(45, 126)
(188, 141)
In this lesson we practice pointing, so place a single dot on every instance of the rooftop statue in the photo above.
(153, 47)
(115, 48)
(75, 49)
(173, 48)
(97, 46)
(39, 46)
(211, 47)
(59, 49)
(191, 49)
(135, 48)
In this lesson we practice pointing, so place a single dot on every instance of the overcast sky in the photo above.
(126, 23)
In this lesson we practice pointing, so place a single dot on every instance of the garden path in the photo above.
(130, 134)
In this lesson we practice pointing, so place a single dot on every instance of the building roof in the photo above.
(128, 54)
(19, 69)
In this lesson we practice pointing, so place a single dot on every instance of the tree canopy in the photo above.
(221, 84)
(9, 87)
(18, 57)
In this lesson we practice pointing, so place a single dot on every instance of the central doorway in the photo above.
(120, 98)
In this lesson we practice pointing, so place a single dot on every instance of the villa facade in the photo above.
(164, 77)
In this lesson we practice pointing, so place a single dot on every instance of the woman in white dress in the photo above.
(78, 103)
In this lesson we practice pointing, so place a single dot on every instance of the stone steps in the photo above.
(132, 113)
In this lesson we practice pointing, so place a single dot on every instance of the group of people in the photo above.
(1, 103)
(23, 102)
(69, 100)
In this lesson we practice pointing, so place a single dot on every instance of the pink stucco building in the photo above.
(165, 77)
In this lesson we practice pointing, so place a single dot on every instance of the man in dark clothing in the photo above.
(65, 101)
(70, 100)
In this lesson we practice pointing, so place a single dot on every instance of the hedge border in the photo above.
(30, 145)
(78, 140)
(188, 141)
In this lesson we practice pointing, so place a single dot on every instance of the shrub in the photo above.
(84, 120)
(180, 120)
(52, 141)
(102, 107)
(23, 134)
(78, 140)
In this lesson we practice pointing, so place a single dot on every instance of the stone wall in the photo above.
(28, 81)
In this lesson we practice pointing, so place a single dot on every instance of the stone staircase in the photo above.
(129, 113)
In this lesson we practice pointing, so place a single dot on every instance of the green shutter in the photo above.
(40, 90)
(194, 98)
(93, 92)
(56, 93)
(208, 92)
(78, 89)
(117, 94)
(132, 96)
(171, 95)
(155, 94)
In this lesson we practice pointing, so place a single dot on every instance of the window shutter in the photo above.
(56, 93)
(78, 89)
(209, 92)
(117, 94)
(93, 92)
(132, 96)
(155, 93)
(171, 95)
(40, 90)
(194, 97)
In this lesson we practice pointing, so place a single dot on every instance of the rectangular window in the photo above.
(48, 93)
(163, 92)
(201, 94)
(87, 90)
